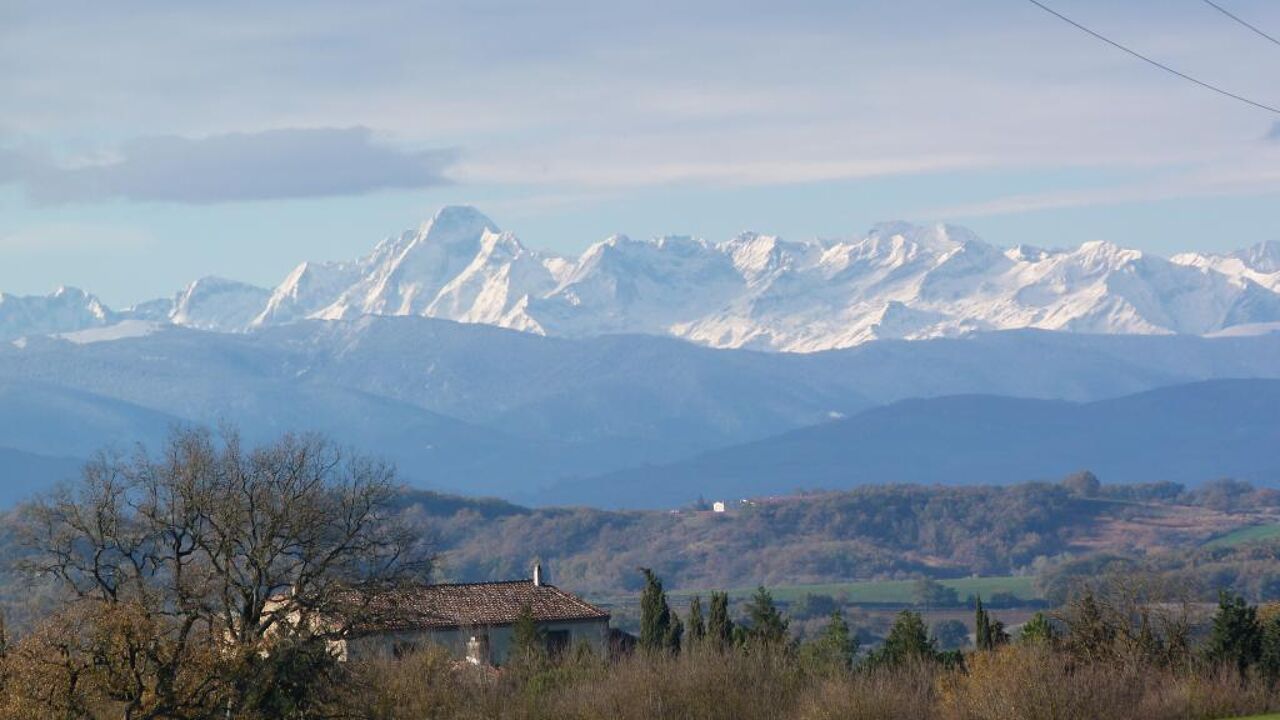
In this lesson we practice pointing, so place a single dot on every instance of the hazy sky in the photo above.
(145, 144)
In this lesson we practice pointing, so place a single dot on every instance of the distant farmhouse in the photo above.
(475, 621)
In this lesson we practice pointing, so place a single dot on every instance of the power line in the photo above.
(1156, 63)
(1240, 20)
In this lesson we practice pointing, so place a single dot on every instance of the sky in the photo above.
(143, 145)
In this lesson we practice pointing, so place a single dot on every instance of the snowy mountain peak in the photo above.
(218, 304)
(899, 280)
(456, 223)
(66, 309)
(1263, 257)
(1097, 255)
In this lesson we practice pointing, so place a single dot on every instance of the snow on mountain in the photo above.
(309, 285)
(1259, 264)
(213, 303)
(65, 310)
(755, 291)
(127, 328)
(404, 275)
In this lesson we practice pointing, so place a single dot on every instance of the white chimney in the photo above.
(537, 574)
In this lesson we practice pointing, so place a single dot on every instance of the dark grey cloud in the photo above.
(274, 164)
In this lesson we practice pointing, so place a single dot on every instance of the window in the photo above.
(557, 641)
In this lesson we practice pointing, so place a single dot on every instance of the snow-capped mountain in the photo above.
(1259, 264)
(213, 303)
(759, 291)
(756, 291)
(210, 303)
(64, 310)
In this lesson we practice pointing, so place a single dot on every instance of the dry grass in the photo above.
(1014, 683)
(1034, 683)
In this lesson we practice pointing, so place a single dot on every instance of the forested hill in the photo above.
(874, 532)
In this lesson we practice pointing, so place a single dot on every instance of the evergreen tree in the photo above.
(908, 639)
(767, 623)
(835, 648)
(675, 634)
(697, 627)
(981, 627)
(659, 628)
(988, 632)
(1236, 638)
(1038, 630)
(1269, 656)
(720, 629)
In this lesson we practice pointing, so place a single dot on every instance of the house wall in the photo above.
(594, 633)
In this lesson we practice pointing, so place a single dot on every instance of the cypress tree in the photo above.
(697, 627)
(767, 623)
(988, 633)
(719, 625)
(659, 628)
(675, 633)
(981, 627)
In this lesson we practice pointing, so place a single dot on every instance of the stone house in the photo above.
(475, 621)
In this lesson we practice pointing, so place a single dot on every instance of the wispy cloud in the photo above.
(73, 237)
(1249, 178)
(273, 164)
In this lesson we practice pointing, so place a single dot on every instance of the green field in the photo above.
(876, 591)
(1246, 534)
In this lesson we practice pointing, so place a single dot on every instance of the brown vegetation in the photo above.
(1014, 682)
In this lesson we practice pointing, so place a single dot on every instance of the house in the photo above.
(717, 506)
(475, 621)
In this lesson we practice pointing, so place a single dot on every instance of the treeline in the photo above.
(1251, 569)
(1109, 653)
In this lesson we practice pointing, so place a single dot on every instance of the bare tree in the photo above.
(214, 545)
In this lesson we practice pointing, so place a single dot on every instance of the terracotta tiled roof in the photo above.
(476, 604)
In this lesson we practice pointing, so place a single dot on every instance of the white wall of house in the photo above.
(594, 633)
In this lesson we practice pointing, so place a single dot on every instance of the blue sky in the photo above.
(145, 144)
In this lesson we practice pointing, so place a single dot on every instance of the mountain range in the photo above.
(482, 410)
(1184, 433)
(646, 372)
(899, 281)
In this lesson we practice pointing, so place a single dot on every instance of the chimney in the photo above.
(537, 574)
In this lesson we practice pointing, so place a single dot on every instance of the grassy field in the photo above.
(876, 591)
(1246, 534)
